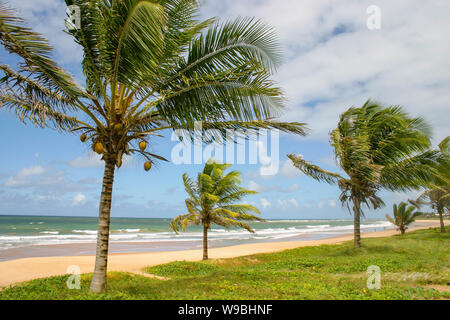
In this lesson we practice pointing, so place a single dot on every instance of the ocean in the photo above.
(27, 231)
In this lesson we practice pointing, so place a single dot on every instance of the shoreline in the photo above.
(143, 242)
(25, 269)
(119, 247)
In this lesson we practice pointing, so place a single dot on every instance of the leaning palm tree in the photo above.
(212, 200)
(149, 65)
(404, 215)
(438, 196)
(378, 148)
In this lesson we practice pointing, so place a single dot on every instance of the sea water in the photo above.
(23, 231)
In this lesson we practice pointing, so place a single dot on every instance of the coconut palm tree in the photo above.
(212, 200)
(378, 148)
(149, 65)
(438, 196)
(404, 215)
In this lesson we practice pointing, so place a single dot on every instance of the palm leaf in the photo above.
(314, 171)
(36, 53)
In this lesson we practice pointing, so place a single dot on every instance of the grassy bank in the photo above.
(414, 266)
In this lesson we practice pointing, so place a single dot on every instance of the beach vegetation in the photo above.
(213, 198)
(404, 215)
(438, 195)
(413, 266)
(377, 148)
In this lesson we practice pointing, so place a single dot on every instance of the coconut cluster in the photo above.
(98, 147)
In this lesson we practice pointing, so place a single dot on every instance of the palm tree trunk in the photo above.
(356, 224)
(98, 283)
(205, 242)
(441, 218)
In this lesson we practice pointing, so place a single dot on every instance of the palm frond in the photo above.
(242, 209)
(227, 71)
(134, 38)
(246, 96)
(236, 196)
(36, 111)
(444, 146)
(233, 44)
(90, 35)
(213, 197)
(414, 173)
(404, 215)
(18, 84)
(314, 171)
(36, 54)
(228, 222)
(183, 221)
(190, 187)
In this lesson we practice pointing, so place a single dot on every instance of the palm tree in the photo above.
(378, 148)
(149, 65)
(404, 215)
(212, 199)
(438, 196)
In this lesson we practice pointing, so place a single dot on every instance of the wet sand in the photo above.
(85, 249)
(19, 270)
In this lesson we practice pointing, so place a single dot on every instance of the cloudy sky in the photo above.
(332, 61)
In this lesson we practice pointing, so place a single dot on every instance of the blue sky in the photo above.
(332, 61)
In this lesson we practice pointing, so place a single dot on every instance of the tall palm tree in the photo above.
(438, 196)
(149, 65)
(404, 215)
(212, 199)
(378, 148)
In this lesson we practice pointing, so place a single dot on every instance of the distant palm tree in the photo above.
(212, 200)
(149, 66)
(439, 199)
(438, 196)
(404, 215)
(378, 148)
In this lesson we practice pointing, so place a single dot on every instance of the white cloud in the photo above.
(47, 17)
(289, 171)
(252, 185)
(79, 199)
(333, 61)
(32, 171)
(47, 182)
(265, 203)
(286, 203)
(23, 177)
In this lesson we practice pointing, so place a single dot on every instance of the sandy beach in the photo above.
(19, 270)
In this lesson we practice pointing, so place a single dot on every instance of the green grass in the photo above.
(410, 265)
